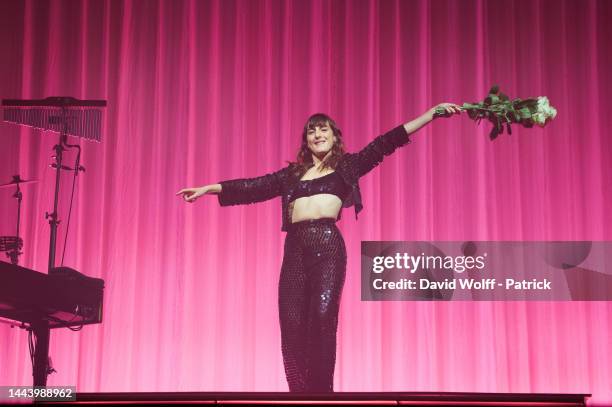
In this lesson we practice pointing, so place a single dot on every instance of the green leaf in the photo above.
(494, 133)
(524, 113)
(513, 116)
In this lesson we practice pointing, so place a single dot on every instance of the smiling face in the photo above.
(321, 144)
(320, 139)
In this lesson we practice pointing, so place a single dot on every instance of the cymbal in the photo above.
(17, 180)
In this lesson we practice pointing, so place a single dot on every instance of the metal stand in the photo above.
(53, 220)
(41, 332)
(13, 244)
(14, 254)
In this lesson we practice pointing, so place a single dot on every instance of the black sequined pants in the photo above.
(309, 291)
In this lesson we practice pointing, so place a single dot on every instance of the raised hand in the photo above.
(446, 110)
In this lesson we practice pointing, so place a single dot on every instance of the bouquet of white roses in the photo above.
(498, 109)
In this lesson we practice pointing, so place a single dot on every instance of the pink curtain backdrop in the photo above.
(202, 91)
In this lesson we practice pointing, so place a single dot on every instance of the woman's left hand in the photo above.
(448, 108)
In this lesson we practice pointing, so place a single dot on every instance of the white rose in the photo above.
(544, 110)
(542, 102)
(549, 111)
(539, 119)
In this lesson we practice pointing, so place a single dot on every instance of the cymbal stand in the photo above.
(14, 254)
(53, 220)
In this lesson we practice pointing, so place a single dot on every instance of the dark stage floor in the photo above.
(391, 398)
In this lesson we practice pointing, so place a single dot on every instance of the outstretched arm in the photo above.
(251, 190)
(240, 191)
(428, 116)
(373, 154)
(191, 194)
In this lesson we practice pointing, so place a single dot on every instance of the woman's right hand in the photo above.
(191, 194)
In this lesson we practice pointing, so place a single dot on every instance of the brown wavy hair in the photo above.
(304, 156)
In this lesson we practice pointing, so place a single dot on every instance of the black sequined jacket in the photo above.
(351, 167)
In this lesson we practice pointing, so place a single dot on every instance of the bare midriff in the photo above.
(315, 206)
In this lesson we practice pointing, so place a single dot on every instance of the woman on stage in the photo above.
(314, 189)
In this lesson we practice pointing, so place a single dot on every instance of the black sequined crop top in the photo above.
(331, 183)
